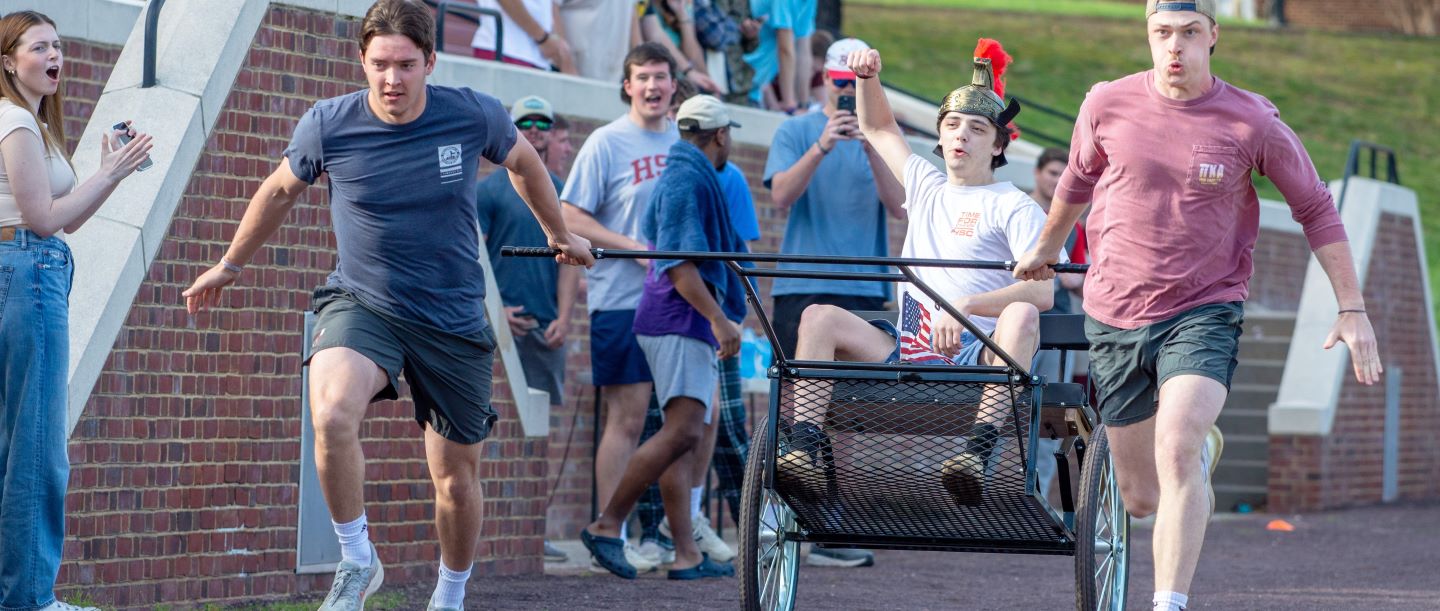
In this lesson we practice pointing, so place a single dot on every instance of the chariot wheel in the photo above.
(1102, 532)
(769, 562)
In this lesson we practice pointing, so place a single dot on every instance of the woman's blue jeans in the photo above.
(35, 276)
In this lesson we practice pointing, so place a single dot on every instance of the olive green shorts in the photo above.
(1128, 366)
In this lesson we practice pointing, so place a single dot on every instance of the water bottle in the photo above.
(747, 353)
(763, 354)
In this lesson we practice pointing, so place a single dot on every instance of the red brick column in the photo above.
(1345, 468)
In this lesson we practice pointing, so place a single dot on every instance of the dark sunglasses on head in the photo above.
(841, 83)
(539, 124)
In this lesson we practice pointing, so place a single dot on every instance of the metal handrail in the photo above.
(1352, 166)
(152, 27)
(443, 9)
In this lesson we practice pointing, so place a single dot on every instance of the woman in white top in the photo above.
(39, 202)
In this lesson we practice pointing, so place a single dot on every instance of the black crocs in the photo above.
(609, 552)
(707, 569)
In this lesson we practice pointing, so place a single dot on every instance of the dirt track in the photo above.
(1375, 558)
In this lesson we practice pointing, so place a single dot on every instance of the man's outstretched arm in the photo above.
(532, 181)
(263, 215)
(1353, 324)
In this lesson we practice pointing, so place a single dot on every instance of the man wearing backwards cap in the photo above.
(682, 324)
(962, 213)
(1165, 158)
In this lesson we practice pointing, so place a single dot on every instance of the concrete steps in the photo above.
(1242, 477)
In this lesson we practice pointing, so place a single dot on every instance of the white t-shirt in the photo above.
(518, 44)
(996, 222)
(614, 173)
(62, 176)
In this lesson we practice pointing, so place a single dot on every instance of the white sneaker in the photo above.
(1210, 458)
(705, 537)
(641, 563)
(653, 551)
(59, 605)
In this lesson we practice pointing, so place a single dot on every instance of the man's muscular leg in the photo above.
(625, 406)
(1189, 406)
(342, 383)
(1158, 468)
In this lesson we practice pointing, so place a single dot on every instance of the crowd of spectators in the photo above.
(761, 53)
(821, 171)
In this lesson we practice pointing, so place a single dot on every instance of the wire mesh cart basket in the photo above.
(908, 456)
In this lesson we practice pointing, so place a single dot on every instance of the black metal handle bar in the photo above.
(602, 253)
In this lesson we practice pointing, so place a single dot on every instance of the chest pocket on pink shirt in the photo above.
(1214, 169)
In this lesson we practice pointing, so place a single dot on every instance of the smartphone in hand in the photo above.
(846, 103)
(124, 130)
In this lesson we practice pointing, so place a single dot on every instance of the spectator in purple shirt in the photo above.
(683, 329)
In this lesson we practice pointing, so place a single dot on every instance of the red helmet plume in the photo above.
(999, 60)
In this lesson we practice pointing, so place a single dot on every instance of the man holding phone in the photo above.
(837, 190)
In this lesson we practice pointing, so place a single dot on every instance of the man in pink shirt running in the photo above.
(1165, 158)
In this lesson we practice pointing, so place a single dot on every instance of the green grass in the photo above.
(1084, 8)
(1331, 88)
(384, 601)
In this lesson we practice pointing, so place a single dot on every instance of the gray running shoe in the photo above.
(839, 557)
(432, 607)
(555, 554)
(353, 584)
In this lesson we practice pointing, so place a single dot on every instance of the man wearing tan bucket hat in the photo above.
(1165, 157)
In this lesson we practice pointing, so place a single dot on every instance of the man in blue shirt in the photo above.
(539, 294)
(682, 324)
(407, 294)
(837, 191)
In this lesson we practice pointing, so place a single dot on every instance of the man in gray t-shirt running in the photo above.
(407, 294)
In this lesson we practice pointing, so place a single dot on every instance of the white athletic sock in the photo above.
(450, 589)
(696, 494)
(625, 530)
(1170, 601)
(354, 540)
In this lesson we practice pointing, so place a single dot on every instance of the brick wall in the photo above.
(1345, 15)
(87, 68)
(186, 460)
(1280, 260)
(1346, 468)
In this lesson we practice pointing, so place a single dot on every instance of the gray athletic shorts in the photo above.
(1128, 366)
(683, 367)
